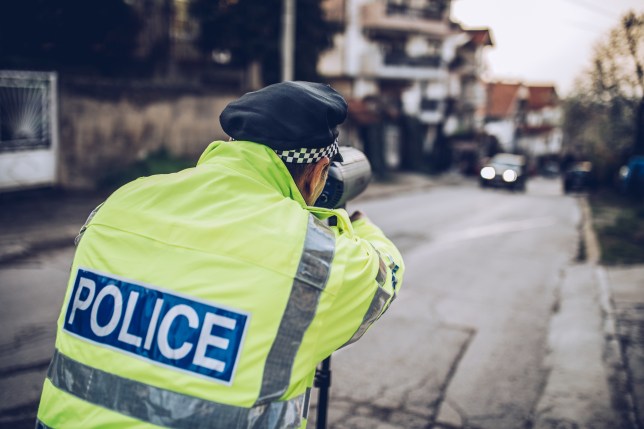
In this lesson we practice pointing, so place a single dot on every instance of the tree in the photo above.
(634, 34)
(617, 76)
(604, 117)
(251, 31)
(51, 33)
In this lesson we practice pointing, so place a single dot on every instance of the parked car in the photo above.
(631, 176)
(550, 169)
(504, 170)
(578, 177)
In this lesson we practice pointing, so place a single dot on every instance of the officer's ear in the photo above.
(314, 181)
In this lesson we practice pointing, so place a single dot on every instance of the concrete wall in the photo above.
(101, 133)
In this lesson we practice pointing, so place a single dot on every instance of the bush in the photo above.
(619, 223)
(159, 162)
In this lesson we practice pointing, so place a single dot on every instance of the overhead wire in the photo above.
(606, 13)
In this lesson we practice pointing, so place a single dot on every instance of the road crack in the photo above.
(435, 405)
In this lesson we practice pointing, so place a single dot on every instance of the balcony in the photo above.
(397, 65)
(430, 116)
(472, 97)
(382, 16)
(431, 110)
(435, 13)
(400, 59)
(430, 105)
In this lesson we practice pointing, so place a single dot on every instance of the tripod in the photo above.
(323, 382)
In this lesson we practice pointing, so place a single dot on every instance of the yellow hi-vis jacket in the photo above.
(206, 298)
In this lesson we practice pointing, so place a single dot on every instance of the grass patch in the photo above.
(159, 162)
(619, 223)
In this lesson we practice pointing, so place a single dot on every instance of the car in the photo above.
(504, 170)
(631, 176)
(578, 178)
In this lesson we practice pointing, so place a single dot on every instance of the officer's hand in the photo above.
(357, 215)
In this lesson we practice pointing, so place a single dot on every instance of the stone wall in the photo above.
(109, 130)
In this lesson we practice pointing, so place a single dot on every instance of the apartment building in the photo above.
(411, 57)
(467, 86)
(465, 111)
(541, 134)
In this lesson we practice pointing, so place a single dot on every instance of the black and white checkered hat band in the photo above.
(307, 155)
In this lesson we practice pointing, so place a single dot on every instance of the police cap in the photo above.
(298, 120)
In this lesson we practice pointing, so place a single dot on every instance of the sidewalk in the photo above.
(596, 342)
(41, 219)
(626, 288)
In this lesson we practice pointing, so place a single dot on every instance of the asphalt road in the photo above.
(464, 345)
(32, 292)
(466, 341)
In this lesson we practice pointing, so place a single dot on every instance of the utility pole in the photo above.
(288, 39)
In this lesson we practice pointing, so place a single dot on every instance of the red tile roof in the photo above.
(480, 36)
(542, 96)
(502, 99)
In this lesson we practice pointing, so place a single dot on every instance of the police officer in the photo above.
(206, 298)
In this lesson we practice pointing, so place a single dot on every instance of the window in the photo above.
(421, 9)
(429, 104)
(415, 52)
(24, 114)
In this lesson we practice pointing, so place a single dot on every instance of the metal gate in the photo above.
(28, 129)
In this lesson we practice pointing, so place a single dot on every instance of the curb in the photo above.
(593, 251)
(585, 381)
(391, 191)
(64, 237)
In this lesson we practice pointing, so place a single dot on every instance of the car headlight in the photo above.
(623, 172)
(510, 175)
(488, 173)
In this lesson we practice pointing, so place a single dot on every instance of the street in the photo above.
(32, 294)
(466, 344)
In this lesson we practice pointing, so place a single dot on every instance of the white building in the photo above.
(412, 58)
(525, 119)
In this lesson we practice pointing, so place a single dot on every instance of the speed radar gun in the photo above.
(347, 180)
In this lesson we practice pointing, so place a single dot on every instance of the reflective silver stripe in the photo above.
(376, 308)
(378, 302)
(164, 407)
(307, 403)
(86, 224)
(381, 277)
(310, 280)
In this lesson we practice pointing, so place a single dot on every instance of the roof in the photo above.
(480, 36)
(542, 96)
(502, 99)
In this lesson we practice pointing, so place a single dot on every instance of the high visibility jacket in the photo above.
(207, 297)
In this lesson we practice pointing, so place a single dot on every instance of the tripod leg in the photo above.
(323, 382)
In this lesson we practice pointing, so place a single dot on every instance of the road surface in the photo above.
(464, 345)
(466, 341)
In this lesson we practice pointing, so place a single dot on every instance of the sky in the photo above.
(542, 41)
